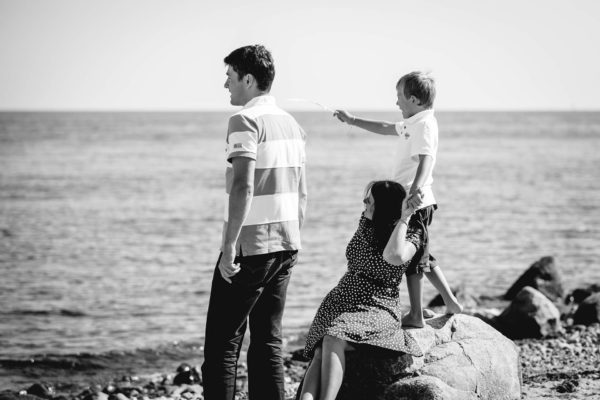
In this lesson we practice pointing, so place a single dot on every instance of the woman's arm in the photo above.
(398, 250)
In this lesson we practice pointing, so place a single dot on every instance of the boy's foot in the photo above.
(427, 313)
(410, 321)
(454, 307)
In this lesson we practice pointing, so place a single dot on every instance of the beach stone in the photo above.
(298, 355)
(578, 295)
(186, 375)
(11, 395)
(542, 275)
(427, 388)
(588, 311)
(41, 390)
(462, 293)
(95, 396)
(117, 396)
(529, 315)
(110, 388)
(464, 358)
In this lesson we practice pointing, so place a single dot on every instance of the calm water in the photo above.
(110, 222)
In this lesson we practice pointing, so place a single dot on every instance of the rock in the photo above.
(117, 396)
(463, 295)
(41, 390)
(588, 311)
(94, 396)
(568, 386)
(298, 355)
(464, 358)
(109, 389)
(241, 382)
(10, 395)
(578, 295)
(542, 275)
(185, 391)
(186, 375)
(427, 388)
(529, 315)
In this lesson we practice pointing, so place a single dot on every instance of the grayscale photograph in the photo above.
(308, 200)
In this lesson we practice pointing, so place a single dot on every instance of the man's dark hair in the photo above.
(255, 60)
(421, 85)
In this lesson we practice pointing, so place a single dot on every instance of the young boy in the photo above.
(413, 167)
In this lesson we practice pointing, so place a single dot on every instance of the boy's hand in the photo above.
(407, 210)
(344, 116)
(416, 199)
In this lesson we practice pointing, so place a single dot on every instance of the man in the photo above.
(265, 203)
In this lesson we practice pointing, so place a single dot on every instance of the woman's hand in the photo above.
(398, 250)
(409, 205)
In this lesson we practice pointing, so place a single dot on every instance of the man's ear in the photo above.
(248, 80)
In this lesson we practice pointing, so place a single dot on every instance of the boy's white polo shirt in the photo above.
(417, 135)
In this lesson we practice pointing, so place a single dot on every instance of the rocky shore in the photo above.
(557, 333)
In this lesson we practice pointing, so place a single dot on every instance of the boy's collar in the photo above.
(421, 115)
(262, 99)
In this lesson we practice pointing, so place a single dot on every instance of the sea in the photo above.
(110, 224)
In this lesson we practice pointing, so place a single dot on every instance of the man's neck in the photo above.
(254, 95)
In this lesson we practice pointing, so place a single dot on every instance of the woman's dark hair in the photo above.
(388, 197)
(255, 60)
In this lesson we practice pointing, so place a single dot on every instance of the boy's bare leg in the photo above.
(414, 318)
(312, 379)
(436, 277)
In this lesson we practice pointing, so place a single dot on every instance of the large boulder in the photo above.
(464, 358)
(529, 315)
(542, 275)
(588, 311)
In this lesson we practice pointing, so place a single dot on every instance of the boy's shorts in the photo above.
(422, 261)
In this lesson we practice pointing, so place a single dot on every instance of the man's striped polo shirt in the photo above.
(272, 137)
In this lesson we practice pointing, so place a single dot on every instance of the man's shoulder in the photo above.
(261, 111)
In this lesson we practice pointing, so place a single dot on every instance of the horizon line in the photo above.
(233, 109)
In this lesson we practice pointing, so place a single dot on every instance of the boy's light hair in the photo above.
(419, 84)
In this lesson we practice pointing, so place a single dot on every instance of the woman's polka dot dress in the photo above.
(364, 307)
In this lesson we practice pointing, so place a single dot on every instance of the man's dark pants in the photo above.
(257, 294)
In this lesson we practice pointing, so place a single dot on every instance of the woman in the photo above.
(364, 307)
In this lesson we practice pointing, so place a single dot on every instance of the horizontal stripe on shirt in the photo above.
(270, 181)
(269, 208)
(275, 154)
(239, 142)
(272, 127)
(267, 238)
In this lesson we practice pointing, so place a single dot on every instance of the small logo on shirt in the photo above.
(237, 146)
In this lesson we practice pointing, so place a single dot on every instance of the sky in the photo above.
(168, 55)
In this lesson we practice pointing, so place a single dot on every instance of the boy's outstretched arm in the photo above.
(375, 126)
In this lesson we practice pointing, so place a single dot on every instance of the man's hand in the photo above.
(416, 199)
(344, 116)
(226, 265)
